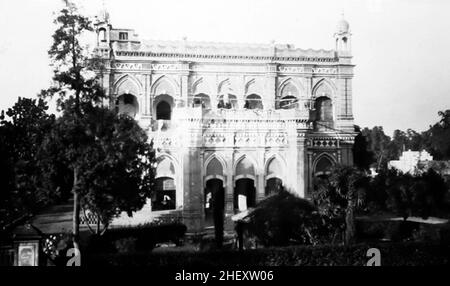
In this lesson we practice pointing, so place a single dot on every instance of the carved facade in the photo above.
(231, 122)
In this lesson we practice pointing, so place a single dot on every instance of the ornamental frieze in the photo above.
(321, 70)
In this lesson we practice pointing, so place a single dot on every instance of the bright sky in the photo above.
(401, 48)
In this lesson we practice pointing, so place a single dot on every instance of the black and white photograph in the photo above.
(231, 137)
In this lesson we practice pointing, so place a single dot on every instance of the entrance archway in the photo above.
(244, 194)
(274, 183)
(214, 203)
(323, 167)
(163, 111)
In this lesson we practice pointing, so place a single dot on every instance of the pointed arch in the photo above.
(127, 84)
(274, 166)
(324, 87)
(215, 168)
(323, 164)
(201, 86)
(224, 85)
(165, 167)
(165, 85)
(253, 87)
(245, 167)
(227, 86)
(290, 84)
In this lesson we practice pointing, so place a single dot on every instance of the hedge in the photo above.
(392, 254)
(142, 238)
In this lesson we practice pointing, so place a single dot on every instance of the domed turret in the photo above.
(342, 26)
(343, 37)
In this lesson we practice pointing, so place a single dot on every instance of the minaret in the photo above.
(342, 37)
(102, 27)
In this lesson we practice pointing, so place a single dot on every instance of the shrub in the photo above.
(392, 254)
(285, 218)
(140, 238)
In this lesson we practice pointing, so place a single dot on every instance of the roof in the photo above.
(222, 48)
(52, 220)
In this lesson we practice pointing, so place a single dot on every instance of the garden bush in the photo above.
(392, 254)
(139, 238)
(284, 218)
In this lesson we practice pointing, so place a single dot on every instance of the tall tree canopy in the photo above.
(107, 156)
(22, 130)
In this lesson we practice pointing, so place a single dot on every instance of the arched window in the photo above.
(127, 104)
(163, 111)
(164, 197)
(227, 101)
(214, 168)
(202, 100)
(288, 102)
(288, 95)
(244, 191)
(253, 101)
(323, 167)
(274, 182)
(102, 35)
(324, 109)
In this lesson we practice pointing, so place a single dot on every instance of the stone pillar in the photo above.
(260, 177)
(301, 170)
(270, 87)
(229, 194)
(193, 215)
(309, 171)
(184, 91)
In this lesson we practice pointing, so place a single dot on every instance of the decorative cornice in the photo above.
(120, 53)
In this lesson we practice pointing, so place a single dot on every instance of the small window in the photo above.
(102, 35)
(123, 36)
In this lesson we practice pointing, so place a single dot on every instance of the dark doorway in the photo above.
(214, 207)
(244, 194)
(163, 111)
(273, 186)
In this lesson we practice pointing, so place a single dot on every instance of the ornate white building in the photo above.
(231, 122)
(411, 161)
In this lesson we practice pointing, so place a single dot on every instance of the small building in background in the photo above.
(411, 161)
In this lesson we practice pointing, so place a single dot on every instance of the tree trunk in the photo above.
(76, 210)
(350, 223)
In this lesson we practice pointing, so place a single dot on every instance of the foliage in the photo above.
(284, 218)
(439, 137)
(74, 75)
(406, 195)
(55, 247)
(384, 148)
(363, 157)
(378, 144)
(105, 158)
(22, 131)
(110, 158)
(139, 238)
(392, 254)
(339, 195)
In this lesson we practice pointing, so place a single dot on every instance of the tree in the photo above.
(378, 144)
(340, 195)
(107, 156)
(406, 195)
(110, 159)
(438, 137)
(22, 131)
(363, 157)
